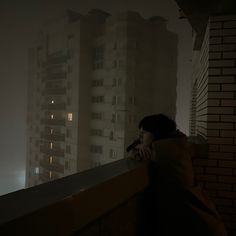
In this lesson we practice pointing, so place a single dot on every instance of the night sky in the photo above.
(19, 24)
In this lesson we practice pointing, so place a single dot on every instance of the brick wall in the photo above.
(216, 115)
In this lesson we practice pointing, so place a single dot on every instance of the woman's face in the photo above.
(145, 137)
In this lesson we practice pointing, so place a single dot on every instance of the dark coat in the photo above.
(182, 207)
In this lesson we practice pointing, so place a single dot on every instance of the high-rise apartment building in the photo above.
(91, 79)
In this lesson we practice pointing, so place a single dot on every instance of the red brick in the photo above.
(210, 193)
(221, 63)
(226, 217)
(227, 148)
(220, 95)
(231, 103)
(198, 170)
(229, 87)
(209, 178)
(213, 133)
(220, 140)
(229, 55)
(215, 32)
(219, 125)
(221, 155)
(228, 133)
(214, 71)
(227, 24)
(227, 210)
(213, 148)
(229, 39)
(215, 40)
(213, 118)
(221, 47)
(229, 32)
(222, 18)
(213, 87)
(227, 194)
(219, 171)
(227, 179)
(221, 110)
(228, 118)
(229, 71)
(215, 55)
(204, 162)
(221, 79)
(219, 186)
(213, 102)
(215, 25)
(231, 164)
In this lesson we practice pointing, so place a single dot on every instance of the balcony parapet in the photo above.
(61, 106)
(59, 122)
(70, 204)
(57, 91)
(53, 152)
(54, 76)
(53, 137)
(52, 166)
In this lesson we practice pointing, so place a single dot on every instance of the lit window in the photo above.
(70, 116)
(50, 145)
(52, 102)
(52, 116)
(51, 131)
(50, 160)
(36, 171)
(50, 174)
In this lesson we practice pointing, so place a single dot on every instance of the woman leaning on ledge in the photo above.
(182, 208)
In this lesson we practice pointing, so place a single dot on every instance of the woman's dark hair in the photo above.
(159, 125)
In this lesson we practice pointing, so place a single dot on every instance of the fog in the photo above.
(19, 24)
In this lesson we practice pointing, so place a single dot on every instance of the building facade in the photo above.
(91, 79)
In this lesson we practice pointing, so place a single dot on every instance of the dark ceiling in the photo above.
(198, 11)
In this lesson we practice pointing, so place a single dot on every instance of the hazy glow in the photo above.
(36, 171)
(70, 116)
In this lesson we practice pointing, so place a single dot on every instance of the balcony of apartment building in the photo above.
(53, 106)
(54, 91)
(52, 164)
(114, 199)
(52, 136)
(55, 121)
(48, 175)
(54, 151)
(54, 76)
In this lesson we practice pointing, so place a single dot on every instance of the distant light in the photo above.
(50, 159)
(52, 102)
(50, 174)
(51, 131)
(69, 116)
(36, 171)
(52, 116)
(50, 145)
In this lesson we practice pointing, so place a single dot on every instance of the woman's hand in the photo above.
(144, 151)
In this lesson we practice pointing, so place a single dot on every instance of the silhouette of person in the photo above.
(181, 207)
